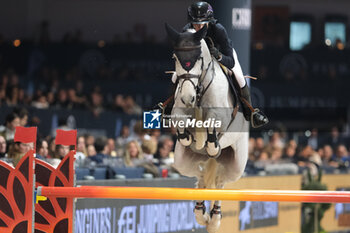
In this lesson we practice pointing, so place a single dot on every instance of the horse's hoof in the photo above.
(202, 218)
(214, 223)
(186, 142)
(212, 150)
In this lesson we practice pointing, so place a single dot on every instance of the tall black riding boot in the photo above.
(256, 117)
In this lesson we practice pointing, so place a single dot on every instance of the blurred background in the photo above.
(96, 65)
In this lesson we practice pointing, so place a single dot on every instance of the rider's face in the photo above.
(198, 27)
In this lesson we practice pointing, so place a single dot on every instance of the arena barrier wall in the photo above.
(111, 215)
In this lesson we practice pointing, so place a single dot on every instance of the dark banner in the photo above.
(235, 16)
(136, 216)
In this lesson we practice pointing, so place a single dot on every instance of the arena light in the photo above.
(101, 43)
(17, 43)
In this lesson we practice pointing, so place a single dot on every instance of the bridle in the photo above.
(200, 91)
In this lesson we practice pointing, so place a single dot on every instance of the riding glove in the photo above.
(216, 53)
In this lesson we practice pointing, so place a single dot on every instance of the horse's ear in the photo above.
(172, 33)
(201, 33)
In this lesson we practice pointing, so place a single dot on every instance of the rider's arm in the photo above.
(225, 46)
(186, 27)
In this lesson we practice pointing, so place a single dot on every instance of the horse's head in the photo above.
(191, 57)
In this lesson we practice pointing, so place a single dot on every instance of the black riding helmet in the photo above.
(200, 12)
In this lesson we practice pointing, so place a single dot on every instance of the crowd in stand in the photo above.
(52, 94)
(136, 147)
(327, 151)
(153, 149)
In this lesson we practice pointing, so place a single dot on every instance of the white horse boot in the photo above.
(184, 138)
(215, 219)
(202, 217)
(213, 147)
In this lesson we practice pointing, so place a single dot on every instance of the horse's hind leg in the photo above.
(202, 217)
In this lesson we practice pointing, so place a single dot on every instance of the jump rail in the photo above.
(195, 194)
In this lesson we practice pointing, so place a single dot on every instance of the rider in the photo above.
(200, 14)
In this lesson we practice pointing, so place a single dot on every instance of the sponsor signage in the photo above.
(257, 214)
(119, 217)
(342, 211)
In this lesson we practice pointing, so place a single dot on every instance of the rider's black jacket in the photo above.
(218, 34)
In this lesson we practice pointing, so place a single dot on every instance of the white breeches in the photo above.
(237, 70)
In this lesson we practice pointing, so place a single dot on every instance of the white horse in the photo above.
(216, 154)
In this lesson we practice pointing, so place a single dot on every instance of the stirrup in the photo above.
(256, 111)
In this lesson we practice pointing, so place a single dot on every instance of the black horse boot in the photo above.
(256, 117)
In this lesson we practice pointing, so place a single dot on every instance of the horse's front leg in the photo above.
(202, 217)
(213, 147)
(215, 215)
(184, 136)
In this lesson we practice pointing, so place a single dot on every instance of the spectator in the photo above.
(50, 97)
(96, 105)
(40, 102)
(276, 155)
(163, 155)
(2, 147)
(52, 147)
(313, 140)
(328, 157)
(89, 139)
(11, 122)
(310, 159)
(74, 101)
(130, 107)
(289, 154)
(262, 160)
(133, 154)
(81, 151)
(168, 143)
(276, 141)
(119, 103)
(62, 99)
(155, 134)
(342, 156)
(111, 147)
(42, 149)
(100, 146)
(122, 140)
(140, 133)
(149, 148)
(60, 152)
(23, 116)
(259, 147)
(81, 146)
(17, 150)
(2, 96)
(334, 139)
(91, 151)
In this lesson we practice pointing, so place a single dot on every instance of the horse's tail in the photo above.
(210, 174)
